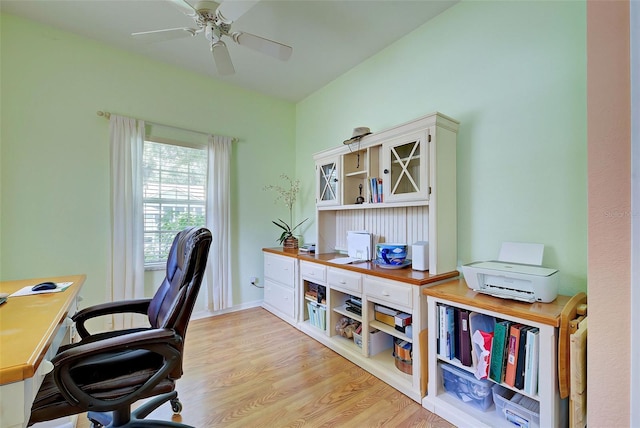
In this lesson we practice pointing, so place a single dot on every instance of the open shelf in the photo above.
(390, 330)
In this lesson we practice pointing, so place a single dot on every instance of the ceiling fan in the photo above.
(215, 19)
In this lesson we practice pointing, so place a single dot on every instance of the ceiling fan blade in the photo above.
(231, 10)
(222, 58)
(260, 44)
(184, 7)
(168, 34)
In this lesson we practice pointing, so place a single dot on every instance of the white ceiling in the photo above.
(329, 37)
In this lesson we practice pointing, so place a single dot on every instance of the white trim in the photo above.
(206, 314)
(634, 394)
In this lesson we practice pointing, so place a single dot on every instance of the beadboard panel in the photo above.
(401, 224)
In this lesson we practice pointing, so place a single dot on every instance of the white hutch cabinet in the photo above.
(400, 185)
(415, 166)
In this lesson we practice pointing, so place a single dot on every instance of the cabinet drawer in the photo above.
(280, 269)
(313, 271)
(349, 281)
(279, 297)
(391, 292)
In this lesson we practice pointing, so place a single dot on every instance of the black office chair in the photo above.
(105, 373)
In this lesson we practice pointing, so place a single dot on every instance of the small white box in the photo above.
(420, 256)
(378, 341)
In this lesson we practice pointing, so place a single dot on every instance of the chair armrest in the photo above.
(138, 306)
(164, 342)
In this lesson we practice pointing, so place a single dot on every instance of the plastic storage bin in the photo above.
(466, 387)
(519, 410)
(317, 316)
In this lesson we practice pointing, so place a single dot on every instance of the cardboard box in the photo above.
(387, 319)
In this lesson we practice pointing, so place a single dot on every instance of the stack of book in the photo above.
(513, 350)
(375, 190)
(354, 305)
(386, 315)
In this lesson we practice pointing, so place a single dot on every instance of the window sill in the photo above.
(155, 266)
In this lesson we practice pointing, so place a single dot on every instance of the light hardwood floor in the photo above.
(251, 369)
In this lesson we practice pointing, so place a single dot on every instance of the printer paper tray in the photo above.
(505, 293)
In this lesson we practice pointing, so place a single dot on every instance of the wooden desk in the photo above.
(32, 328)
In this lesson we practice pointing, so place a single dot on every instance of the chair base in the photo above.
(136, 418)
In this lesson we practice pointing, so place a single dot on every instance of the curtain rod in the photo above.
(107, 115)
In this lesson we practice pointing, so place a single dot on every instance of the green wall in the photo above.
(54, 172)
(514, 75)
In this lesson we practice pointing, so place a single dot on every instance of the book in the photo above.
(463, 349)
(518, 381)
(499, 350)
(512, 356)
(375, 191)
(442, 331)
(532, 357)
(451, 337)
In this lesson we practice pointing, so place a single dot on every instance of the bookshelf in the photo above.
(543, 316)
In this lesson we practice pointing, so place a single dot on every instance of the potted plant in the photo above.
(288, 196)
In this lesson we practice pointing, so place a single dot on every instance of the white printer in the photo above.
(516, 275)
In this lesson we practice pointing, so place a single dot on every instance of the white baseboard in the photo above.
(206, 313)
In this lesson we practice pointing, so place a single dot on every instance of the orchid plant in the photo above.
(288, 196)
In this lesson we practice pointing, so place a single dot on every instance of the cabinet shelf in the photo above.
(309, 299)
(358, 174)
(370, 205)
(386, 361)
(342, 310)
(390, 330)
(456, 363)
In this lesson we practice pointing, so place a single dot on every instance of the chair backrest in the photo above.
(173, 303)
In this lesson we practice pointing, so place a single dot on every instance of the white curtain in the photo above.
(126, 274)
(218, 284)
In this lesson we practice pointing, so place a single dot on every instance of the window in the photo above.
(174, 195)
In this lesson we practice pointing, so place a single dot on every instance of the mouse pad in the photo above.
(27, 291)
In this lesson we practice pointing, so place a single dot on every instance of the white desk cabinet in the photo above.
(280, 279)
(374, 349)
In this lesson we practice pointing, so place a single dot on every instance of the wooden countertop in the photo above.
(406, 275)
(457, 291)
(28, 325)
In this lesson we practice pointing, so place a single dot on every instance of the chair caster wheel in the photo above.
(176, 406)
(96, 425)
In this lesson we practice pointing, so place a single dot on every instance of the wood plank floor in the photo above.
(251, 369)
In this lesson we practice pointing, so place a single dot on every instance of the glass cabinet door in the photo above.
(405, 168)
(327, 182)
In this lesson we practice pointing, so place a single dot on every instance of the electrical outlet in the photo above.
(253, 280)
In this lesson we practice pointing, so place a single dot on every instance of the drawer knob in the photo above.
(47, 366)
(342, 281)
(385, 293)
